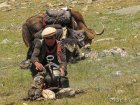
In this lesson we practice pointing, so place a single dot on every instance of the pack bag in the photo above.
(62, 17)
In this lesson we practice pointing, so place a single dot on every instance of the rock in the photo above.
(2, 85)
(5, 41)
(91, 54)
(115, 51)
(17, 43)
(105, 53)
(11, 2)
(134, 80)
(5, 6)
(84, 9)
(74, 2)
(9, 58)
(118, 73)
(60, 4)
(24, 103)
(49, 5)
(89, 1)
(138, 54)
(23, 7)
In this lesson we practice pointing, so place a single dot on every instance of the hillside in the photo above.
(112, 77)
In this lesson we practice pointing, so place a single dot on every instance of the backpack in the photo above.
(62, 17)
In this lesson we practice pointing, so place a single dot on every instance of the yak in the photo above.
(37, 22)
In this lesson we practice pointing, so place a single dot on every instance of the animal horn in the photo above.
(100, 33)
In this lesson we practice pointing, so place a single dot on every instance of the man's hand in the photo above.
(38, 66)
(62, 71)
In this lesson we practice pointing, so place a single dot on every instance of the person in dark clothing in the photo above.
(47, 47)
(48, 51)
(26, 64)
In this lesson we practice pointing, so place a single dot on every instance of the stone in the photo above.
(5, 6)
(118, 73)
(84, 9)
(24, 103)
(74, 2)
(89, 1)
(5, 41)
(120, 91)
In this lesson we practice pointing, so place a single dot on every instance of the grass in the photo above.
(99, 77)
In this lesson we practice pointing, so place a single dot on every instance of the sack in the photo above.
(48, 94)
(62, 17)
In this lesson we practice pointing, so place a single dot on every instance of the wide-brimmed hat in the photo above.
(47, 32)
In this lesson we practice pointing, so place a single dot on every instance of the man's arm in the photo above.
(38, 35)
(35, 55)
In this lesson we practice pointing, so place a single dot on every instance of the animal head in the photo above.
(80, 36)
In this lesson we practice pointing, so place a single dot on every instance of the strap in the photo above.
(44, 20)
(59, 52)
(64, 33)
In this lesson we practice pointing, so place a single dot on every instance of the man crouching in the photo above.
(49, 66)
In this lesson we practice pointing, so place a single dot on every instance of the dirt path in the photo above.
(128, 10)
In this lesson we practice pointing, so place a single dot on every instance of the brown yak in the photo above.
(36, 23)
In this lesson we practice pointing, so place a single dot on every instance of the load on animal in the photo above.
(70, 25)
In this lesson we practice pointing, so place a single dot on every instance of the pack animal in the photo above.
(35, 24)
(38, 22)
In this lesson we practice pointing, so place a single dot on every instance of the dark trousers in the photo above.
(30, 51)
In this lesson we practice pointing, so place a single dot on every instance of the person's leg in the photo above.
(65, 90)
(48, 80)
(55, 81)
(30, 51)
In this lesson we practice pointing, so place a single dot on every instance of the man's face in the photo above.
(50, 41)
